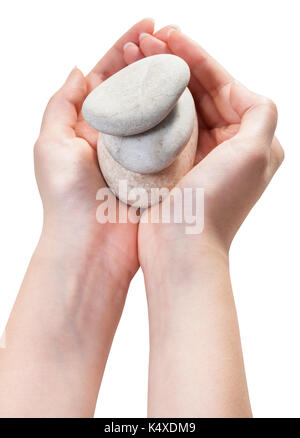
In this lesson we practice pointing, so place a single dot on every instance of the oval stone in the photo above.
(115, 174)
(137, 97)
(158, 147)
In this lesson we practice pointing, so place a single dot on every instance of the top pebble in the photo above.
(138, 97)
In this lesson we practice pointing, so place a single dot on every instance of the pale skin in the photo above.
(61, 328)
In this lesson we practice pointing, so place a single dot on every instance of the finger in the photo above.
(207, 70)
(162, 34)
(62, 110)
(132, 53)
(207, 109)
(206, 106)
(258, 116)
(150, 45)
(113, 60)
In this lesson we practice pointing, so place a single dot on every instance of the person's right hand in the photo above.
(237, 152)
(196, 364)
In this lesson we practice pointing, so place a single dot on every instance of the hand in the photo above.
(196, 364)
(60, 331)
(67, 169)
(237, 152)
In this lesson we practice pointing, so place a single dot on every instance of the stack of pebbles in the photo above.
(147, 125)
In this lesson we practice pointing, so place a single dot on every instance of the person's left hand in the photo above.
(67, 169)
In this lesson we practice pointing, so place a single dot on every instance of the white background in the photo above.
(258, 42)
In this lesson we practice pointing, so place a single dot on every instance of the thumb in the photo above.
(62, 110)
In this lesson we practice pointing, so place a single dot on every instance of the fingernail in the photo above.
(175, 27)
(172, 30)
(150, 18)
(128, 44)
(143, 35)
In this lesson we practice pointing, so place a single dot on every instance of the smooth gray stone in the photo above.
(137, 97)
(156, 149)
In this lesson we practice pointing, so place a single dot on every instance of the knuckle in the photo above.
(40, 146)
(279, 154)
(37, 147)
(38, 151)
(272, 105)
(269, 105)
(55, 98)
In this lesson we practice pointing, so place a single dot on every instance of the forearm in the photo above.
(61, 328)
(196, 364)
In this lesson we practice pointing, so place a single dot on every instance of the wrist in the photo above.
(185, 277)
(168, 254)
(83, 254)
(79, 290)
(90, 245)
